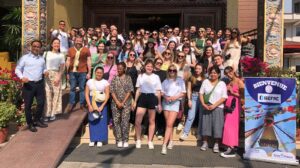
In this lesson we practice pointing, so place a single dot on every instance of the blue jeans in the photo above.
(77, 79)
(192, 113)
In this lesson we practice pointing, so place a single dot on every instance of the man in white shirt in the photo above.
(30, 70)
(62, 35)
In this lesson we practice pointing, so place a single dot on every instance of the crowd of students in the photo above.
(157, 80)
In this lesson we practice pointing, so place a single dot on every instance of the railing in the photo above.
(252, 33)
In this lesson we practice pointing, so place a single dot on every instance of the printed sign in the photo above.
(270, 120)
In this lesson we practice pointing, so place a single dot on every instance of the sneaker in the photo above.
(216, 148)
(91, 144)
(46, 119)
(99, 144)
(159, 137)
(150, 145)
(164, 150)
(138, 144)
(52, 118)
(170, 145)
(120, 144)
(183, 137)
(179, 127)
(230, 153)
(125, 145)
(204, 146)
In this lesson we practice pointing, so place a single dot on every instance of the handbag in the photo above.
(230, 109)
(206, 97)
(98, 96)
(106, 74)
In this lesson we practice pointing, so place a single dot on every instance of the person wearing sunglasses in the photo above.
(138, 43)
(173, 90)
(92, 44)
(168, 57)
(147, 98)
(112, 46)
(155, 36)
(159, 118)
(233, 49)
(163, 44)
(195, 108)
(235, 90)
(199, 42)
(110, 69)
(132, 66)
(125, 50)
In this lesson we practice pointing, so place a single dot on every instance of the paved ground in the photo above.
(180, 156)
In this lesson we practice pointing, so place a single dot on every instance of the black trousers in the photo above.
(31, 90)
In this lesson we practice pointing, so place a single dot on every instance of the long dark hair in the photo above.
(152, 50)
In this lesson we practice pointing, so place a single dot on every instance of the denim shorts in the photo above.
(171, 106)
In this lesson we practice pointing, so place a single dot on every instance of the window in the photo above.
(297, 68)
(284, 34)
(297, 31)
(297, 7)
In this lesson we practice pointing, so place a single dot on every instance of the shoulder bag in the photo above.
(206, 97)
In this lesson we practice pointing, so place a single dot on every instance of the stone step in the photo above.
(190, 141)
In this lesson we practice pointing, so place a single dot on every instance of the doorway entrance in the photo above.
(152, 21)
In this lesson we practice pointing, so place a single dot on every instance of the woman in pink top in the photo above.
(110, 69)
(231, 124)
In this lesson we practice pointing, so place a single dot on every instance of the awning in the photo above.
(291, 46)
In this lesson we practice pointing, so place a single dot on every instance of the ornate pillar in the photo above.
(33, 22)
(273, 32)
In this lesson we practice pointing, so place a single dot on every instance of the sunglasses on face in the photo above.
(147, 33)
(158, 63)
(168, 53)
(172, 70)
(154, 34)
(110, 58)
(170, 31)
(180, 56)
(165, 39)
(113, 40)
(131, 54)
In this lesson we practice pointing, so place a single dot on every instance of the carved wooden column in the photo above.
(34, 14)
(273, 32)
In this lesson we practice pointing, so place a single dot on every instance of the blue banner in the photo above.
(270, 120)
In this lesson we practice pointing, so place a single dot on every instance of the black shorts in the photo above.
(147, 100)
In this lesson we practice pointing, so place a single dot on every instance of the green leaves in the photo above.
(12, 36)
(7, 113)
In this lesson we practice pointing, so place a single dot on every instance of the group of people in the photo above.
(163, 79)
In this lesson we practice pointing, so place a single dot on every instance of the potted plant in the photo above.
(7, 113)
(20, 119)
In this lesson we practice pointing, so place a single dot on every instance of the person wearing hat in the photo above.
(97, 95)
(150, 52)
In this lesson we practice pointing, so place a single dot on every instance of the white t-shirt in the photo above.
(100, 86)
(64, 42)
(219, 92)
(189, 58)
(148, 83)
(172, 87)
(54, 60)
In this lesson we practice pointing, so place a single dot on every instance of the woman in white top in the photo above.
(147, 98)
(173, 89)
(55, 63)
(232, 50)
(213, 94)
(98, 127)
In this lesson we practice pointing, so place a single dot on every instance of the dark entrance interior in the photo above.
(152, 21)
